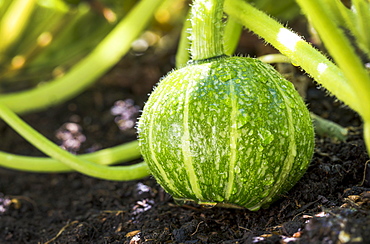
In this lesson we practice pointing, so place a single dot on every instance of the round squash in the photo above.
(229, 131)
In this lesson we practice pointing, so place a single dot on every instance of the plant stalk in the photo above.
(113, 155)
(231, 36)
(207, 29)
(342, 51)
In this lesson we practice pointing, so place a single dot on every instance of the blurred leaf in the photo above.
(56, 35)
(356, 19)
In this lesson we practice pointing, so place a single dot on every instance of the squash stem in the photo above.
(207, 29)
(231, 35)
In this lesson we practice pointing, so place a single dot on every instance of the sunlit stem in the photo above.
(207, 29)
(342, 51)
(122, 173)
(84, 73)
(345, 56)
(294, 47)
(274, 58)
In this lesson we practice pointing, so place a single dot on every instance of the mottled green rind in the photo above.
(230, 130)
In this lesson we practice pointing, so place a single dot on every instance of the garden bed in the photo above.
(330, 204)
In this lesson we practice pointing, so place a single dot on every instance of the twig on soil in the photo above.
(301, 210)
(61, 231)
(365, 177)
(196, 230)
(243, 228)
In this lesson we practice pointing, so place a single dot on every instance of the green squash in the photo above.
(229, 131)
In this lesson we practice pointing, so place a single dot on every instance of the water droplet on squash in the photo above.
(269, 180)
(266, 136)
(243, 118)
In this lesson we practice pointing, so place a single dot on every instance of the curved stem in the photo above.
(342, 51)
(81, 165)
(114, 155)
(103, 57)
(300, 52)
(345, 56)
(207, 27)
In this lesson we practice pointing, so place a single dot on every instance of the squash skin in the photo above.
(229, 131)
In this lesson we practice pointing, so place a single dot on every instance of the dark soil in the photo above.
(330, 204)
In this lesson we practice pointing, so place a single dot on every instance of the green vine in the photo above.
(81, 165)
(113, 155)
(342, 51)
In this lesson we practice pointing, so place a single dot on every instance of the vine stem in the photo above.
(344, 54)
(293, 46)
(207, 29)
(121, 173)
(113, 155)
(274, 58)
(341, 50)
